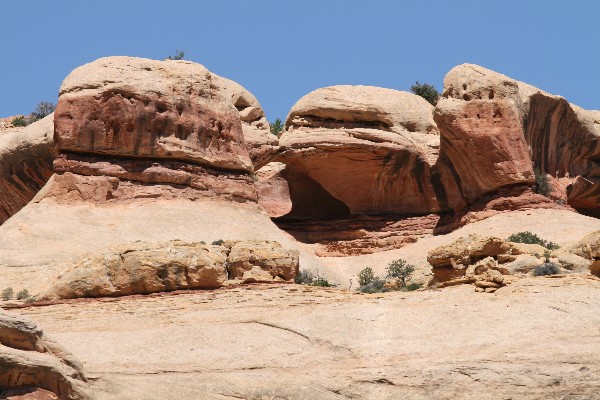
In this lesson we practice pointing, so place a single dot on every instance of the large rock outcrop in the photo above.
(361, 150)
(31, 362)
(143, 268)
(480, 117)
(26, 156)
(149, 122)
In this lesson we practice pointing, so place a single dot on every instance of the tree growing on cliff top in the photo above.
(426, 91)
(276, 127)
(43, 109)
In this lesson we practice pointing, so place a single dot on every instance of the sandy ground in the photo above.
(538, 338)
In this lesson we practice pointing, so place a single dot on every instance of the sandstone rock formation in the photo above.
(32, 362)
(26, 156)
(341, 138)
(257, 134)
(146, 121)
(143, 268)
(588, 247)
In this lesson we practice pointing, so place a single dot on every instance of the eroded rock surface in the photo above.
(343, 138)
(143, 268)
(26, 156)
(151, 122)
(31, 362)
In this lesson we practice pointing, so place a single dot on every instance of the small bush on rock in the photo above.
(531, 238)
(7, 293)
(546, 269)
(366, 276)
(400, 270)
(426, 91)
(23, 294)
(541, 185)
(413, 286)
(43, 109)
(304, 277)
(276, 127)
(20, 121)
(320, 281)
(218, 242)
(375, 286)
(178, 55)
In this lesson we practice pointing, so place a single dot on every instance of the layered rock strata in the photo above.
(31, 363)
(152, 122)
(143, 268)
(342, 138)
(26, 156)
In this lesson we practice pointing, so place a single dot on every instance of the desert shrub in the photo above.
(30, 299)
(20, 121)
(178, 55)
(366, 276)
(400, 270)
(304, 277)
(7, 293)
(426, 91)
(320, 281)
(531, 238)
(546, 268)
(377, 285)
(43, 109)
(541, 185)
(218, 242)
(276, 127)
(22, 294)
(413, 286)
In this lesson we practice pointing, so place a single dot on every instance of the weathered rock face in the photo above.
(159, 122)
(564, 140)
(342, 138)
(33, 363)
(480, 117)
(143, 268)
(273, 189)
(26, 156)
(257, 134)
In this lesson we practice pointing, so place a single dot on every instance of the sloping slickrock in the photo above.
(148, 121)
(588, 247)
(143, 268)
(26, 156)
(342, 138)
(480, 118)
(30, 360)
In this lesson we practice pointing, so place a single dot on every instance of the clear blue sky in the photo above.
(280, 50)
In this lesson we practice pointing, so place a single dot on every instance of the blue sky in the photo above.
(281, 50)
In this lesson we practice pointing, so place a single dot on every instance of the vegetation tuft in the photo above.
(546, 268)
(276, 127)
(43, 109)
(7, 293)
(531, 238)
(426, 91)
(23, 294)
(398, 271)
(218, 242)
(305, 277)
(178, 55)
(541, 185)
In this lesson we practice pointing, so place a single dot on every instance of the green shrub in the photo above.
(541, 185)
(304, 277)
(218, 242)
(375, 286)
(23, 294)
(546, 269)
(413, 286)
(400, 270)
(319, 281)
(366, 276)
(20, 121)
(426, 91)
(276, 127)
(7, 293)
(531, 238)
(178, 55)
(30, 299)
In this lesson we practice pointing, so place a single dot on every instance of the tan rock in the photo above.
(26, 156)
(480, 118)
(273, 189)
(343, 137)
(143, 268)
(31, 360)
